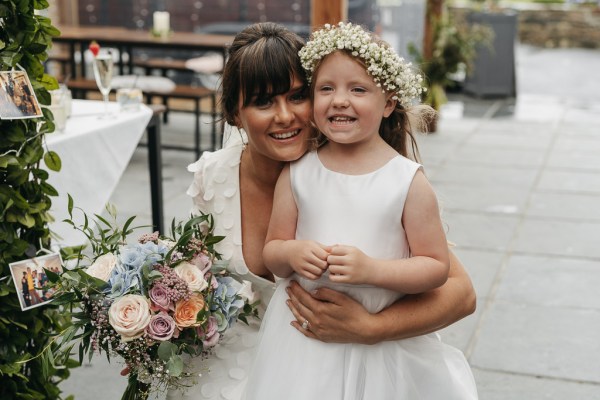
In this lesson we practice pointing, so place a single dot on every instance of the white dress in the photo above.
(215, 189)
(364, 211)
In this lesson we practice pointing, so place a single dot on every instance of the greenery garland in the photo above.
(26, 371)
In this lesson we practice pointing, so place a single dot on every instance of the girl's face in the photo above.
(278, 126)
(348, 105)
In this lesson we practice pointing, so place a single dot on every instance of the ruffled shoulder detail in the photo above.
(215, 190)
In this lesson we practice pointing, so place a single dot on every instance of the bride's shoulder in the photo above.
(212, 160)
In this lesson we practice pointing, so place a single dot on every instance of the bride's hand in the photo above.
(328, 316)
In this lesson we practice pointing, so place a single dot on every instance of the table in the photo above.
(79, 37)
(94, 154)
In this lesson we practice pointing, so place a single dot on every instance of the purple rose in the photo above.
(161, 326)
(211, 333)
(160, 298)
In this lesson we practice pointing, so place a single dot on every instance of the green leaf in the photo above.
(175, 365)
(52, 161)
(166, 350)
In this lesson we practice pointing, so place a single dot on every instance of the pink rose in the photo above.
(129, 316)
(159, 297)
(161, 327)
(203, 262)
(210, 333)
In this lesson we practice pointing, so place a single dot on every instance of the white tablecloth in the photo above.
(94, 154)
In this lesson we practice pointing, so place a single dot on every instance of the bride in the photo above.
(265, 96)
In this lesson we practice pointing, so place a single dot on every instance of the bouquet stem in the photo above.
(135, 389)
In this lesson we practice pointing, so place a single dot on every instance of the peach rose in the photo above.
(129, 316)
(103, 266)
(192, 275)
(186, 311)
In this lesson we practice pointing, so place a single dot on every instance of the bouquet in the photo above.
(149, 301)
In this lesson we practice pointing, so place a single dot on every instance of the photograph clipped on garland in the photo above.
(17, 98)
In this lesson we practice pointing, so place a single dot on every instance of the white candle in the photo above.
(161, 21)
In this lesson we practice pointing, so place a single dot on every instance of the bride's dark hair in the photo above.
(263, 60)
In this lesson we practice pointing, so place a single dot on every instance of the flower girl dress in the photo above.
(363, 211)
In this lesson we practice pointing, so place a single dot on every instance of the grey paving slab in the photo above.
(565, 205)
(500, 139)
(498, 156)
(559, 342)
(481, 231)
(480, 176)
(570, 181)
(551, 282)
(509, 386)
(558, 237)
(580, 129)
(492, 199)
(534, 108)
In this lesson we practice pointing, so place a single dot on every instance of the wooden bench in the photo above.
(80, 87)
(161, 64)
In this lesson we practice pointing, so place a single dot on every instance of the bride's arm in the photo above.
(335, 317)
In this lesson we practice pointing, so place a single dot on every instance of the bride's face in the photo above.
(278, 126)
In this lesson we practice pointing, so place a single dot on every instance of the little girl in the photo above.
(356, 215)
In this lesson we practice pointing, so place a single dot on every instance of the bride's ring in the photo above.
(305, 324)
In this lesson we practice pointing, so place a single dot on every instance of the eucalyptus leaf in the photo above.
(175, 366)
(166, 350)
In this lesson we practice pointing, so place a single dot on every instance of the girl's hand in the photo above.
(308, 258)
(347, 264)
(330, 316)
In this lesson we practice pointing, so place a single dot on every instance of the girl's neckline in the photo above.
(316, 155)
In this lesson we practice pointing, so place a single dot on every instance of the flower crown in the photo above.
(383, 64)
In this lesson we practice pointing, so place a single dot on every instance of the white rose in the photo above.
(248, 294)
(102, 267)
(192, 275)
(129, 316)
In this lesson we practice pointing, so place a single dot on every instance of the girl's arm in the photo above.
(335, 317)
(282, 254)
(426, 268)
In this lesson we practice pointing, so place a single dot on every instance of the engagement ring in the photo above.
(305, 324)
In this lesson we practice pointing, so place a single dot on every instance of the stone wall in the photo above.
(546, 26)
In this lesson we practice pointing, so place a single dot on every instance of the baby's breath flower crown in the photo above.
(383, 64)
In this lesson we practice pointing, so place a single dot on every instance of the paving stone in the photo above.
(508, 386)
(558, 237)
(483, 176)
(492, 199)
(480, 231)
(558, 205)
(559, 342)
(551, 282)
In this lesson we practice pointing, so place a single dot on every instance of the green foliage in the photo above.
(25, 200)
(454, 48)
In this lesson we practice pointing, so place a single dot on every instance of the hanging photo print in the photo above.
(17, 98)
(31, 281)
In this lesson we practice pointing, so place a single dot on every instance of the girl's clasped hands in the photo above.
(346, 264)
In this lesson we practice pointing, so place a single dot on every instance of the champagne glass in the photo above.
(103, 72)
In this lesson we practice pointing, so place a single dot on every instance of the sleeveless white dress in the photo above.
(215, 189)
(363, 211)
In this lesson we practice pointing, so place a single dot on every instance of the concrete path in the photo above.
(519, 182)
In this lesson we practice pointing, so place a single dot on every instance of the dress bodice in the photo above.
(364, 211)
(215, 189)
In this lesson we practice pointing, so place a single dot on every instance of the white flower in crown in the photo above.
(383, 64)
